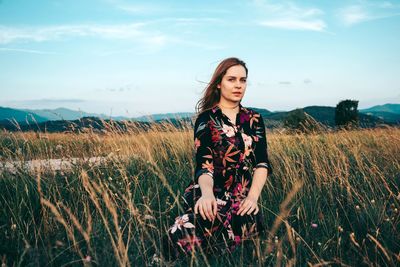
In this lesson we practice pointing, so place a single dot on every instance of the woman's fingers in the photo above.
(241, 210)
(247, 207)
(207, 208)
(251, 209)
(210, 211)
(257, 210)
(202, 211)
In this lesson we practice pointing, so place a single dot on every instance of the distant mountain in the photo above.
(95, 124)
(7, 114)
(68, 114)
(63, 119)
(324, 115)
(386, 116)
(392, 108)
(388, 112)
(264, 112)
(60, 114)
(164, 116)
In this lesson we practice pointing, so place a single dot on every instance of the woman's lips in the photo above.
(237, 93)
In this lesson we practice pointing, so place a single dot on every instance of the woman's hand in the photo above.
(248, 205)
(207, 206)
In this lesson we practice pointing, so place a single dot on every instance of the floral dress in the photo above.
(229, 153)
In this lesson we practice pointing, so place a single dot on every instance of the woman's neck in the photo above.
(230, 107)
(229, 110)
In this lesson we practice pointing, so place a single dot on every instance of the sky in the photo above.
(133, 58)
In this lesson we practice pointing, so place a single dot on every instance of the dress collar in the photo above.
(242, 110)
(216, 108)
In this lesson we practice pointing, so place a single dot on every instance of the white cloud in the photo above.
(137, 9)
(315, 25)
(353, 15)
(146, 8)
(289, 16)
(151, 40)
(131, 31)
(30, 51)
(367, 11)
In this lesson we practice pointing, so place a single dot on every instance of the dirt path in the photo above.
(49, 164)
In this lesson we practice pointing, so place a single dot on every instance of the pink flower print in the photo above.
(196, 143)
(227, 195)
(235, 207)
(221, 202)
(181, 221)
(244, 117)
(228, 130)
(226, 223)
(247, 140)
(215, 135)
(242, 156)
(237, 239)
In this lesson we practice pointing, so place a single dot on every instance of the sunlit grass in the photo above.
(334, 198)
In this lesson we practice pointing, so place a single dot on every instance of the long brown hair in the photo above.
(212, 95)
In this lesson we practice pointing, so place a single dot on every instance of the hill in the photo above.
(7, 114)
(392, 108)
(388, 112)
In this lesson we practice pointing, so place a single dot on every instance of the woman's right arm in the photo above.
(206, 205)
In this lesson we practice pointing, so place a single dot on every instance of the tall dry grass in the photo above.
(333, 199)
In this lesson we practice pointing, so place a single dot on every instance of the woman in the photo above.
(221, 203)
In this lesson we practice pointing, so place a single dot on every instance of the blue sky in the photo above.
(133, 58)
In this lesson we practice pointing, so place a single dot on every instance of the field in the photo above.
(333, 199)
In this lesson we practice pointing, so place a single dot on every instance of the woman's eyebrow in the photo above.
(235, 77)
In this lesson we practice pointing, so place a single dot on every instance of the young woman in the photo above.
(221, 203)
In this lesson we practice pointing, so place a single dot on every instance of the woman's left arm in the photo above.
(259, 179)
(262, 171)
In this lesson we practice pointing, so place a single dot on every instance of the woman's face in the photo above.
(233, 84)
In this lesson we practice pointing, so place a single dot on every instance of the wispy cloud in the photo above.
(285, 82)
(139, 32)
(30, 51)
(149, 8)
(293, 24)
(289, 16)
(367, 11)
(131, 31)
(138, 8)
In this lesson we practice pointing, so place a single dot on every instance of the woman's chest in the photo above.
(230, 140)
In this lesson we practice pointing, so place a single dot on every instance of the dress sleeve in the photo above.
(261, 149)
(203, 148)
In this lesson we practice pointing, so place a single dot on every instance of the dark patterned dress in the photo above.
(229, 153)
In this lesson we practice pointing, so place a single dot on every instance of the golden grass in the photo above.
(333, 199)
